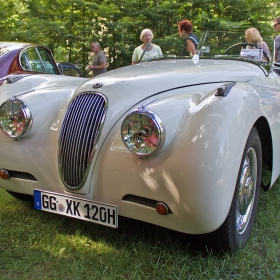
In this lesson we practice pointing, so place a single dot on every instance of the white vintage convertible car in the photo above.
(175, 142)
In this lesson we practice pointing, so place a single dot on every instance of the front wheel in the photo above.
(235, 231)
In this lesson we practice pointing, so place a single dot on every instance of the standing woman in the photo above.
(191, 41)
(147, 50)
(252, 35)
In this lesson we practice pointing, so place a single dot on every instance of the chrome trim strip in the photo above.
(13, 78)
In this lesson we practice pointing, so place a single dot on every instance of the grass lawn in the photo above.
(41, 245)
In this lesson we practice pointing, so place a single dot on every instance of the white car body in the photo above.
(194, 173)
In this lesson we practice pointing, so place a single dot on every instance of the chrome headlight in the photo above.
(142, 132)
(15, 118)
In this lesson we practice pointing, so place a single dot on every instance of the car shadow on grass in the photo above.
(131, 232)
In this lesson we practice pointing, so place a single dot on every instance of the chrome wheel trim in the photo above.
(246, 191)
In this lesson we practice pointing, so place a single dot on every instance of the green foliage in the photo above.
(117, 24)
(61, 54)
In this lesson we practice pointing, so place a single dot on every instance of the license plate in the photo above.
(77, 208)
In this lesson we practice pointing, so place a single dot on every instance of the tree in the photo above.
(68, 27)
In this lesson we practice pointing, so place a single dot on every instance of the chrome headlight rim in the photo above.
(17, 112)
(158, 125)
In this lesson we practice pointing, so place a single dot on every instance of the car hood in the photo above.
(149, 78)
(129, 87)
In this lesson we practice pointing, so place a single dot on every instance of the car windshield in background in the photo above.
(232, 45)
(224, 44)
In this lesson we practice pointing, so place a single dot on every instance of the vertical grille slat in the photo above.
(78, 136)
(82, 122)
(91, 123)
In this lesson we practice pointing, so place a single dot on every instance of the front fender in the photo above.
(36, 152)
(195, 172)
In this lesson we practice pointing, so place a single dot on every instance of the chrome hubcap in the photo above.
(246, 193)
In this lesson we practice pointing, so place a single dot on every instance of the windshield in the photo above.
(228, 45)
(234, 45)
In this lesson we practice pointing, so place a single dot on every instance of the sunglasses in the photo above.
(276, 24)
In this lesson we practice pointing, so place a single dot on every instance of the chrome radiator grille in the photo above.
(78, 136)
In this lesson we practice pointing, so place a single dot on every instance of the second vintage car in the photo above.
(25, 58)
(176, 142)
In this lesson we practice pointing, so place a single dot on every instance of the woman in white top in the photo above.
(152, 51)
(252, 35)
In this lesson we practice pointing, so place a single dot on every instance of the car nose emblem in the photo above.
(97, 85)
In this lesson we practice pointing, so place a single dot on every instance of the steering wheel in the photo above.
(244, 45)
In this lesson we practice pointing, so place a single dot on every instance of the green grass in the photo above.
(40, 245)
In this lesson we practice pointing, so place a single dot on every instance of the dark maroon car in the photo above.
(25, 58)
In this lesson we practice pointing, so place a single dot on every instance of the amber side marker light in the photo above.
(4, 174)
(162, 208)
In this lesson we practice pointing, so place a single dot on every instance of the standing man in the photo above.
(276, 25)
(99, 61)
